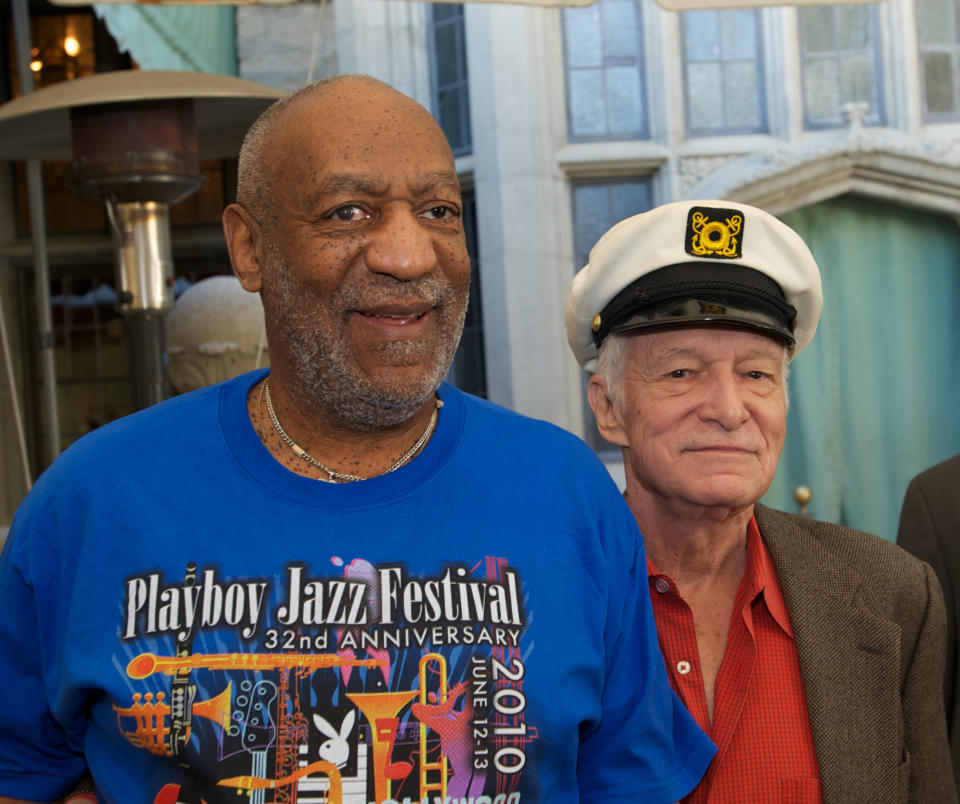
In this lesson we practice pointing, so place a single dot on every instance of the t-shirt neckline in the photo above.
(270, 475)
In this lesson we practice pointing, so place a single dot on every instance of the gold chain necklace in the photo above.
(343, 477)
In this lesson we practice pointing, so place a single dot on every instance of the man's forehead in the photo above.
(370, 182)
(367, 140)
(705, 340)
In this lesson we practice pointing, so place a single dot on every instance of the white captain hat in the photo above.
(692, 263)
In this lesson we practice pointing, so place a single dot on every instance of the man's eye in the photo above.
(679, 373)
(349, 212)
(756, 375)
(440, 212)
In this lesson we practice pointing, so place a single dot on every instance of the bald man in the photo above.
(342, 577)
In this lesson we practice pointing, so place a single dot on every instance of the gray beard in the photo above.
(323, 367)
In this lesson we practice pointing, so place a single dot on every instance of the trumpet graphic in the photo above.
(146, 664)
(440, 766)
(152, 719)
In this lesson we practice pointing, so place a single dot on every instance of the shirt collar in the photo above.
(759, 577)
(767, 576)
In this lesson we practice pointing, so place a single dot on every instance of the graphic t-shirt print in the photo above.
(369, 684)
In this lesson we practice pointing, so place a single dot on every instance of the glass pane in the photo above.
(460, 36)
(820, 90)
(449, 76)
(857, 80)
(934, 21)
(705, 98)
(620, 34)
(446, 11)
(741, 95)
(467, 369)
(816, 27)
(582, 30)
(738, 33)
(593, 217)
(623, 100)
(701, 35)
(587, 113)
(445, 49)
(451, 118)
(940, 83)
(852, 27)
(629, 198)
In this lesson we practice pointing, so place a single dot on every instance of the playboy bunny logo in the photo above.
(335, 749)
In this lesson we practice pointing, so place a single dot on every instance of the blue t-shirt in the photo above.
(191, 620)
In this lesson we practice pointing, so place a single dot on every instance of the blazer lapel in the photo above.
(850, 660)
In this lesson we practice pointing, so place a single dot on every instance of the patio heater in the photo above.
(135, 139)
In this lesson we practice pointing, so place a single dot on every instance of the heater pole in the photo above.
(139, 158)
(49, 446)
(145, 331)
(141, 235)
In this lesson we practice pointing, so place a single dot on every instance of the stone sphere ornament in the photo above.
(215, 332)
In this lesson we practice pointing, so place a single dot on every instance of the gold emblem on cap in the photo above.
(597, 321)
(714, 238)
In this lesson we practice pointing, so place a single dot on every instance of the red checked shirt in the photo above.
(765, 750)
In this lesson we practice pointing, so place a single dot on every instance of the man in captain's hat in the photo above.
(811, 654)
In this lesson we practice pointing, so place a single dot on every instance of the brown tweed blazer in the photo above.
(930, 529)
(869, 625)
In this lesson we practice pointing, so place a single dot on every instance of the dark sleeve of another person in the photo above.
(930, 530)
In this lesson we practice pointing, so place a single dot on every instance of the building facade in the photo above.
(842, 119)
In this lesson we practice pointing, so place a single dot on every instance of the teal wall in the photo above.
(876, 397)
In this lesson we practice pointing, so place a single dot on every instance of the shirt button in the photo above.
(683, 667)
(662, 586)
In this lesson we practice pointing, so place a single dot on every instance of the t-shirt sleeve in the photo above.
(36, 760)
(646, 746)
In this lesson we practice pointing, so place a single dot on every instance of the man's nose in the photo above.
(401, 246)
(724, 402)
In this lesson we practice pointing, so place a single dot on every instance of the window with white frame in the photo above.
(448, 74)
(603, 53)
(723, 72)
(938, 32)
(469, 369)
(600, 203)
(597, 205)
(840, 54)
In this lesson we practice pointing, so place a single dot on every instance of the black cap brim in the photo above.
(699, 293)
(709, 309)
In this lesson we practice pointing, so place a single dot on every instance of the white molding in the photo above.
(600, 160)
(880, 163)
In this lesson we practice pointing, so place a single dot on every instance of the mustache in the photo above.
(382, 290)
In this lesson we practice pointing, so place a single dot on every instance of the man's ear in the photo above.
(243, 244)
(606, 412)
